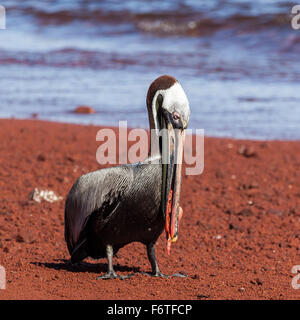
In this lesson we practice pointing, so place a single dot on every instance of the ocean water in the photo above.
(238, 61)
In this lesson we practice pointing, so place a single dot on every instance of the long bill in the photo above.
(172, 164)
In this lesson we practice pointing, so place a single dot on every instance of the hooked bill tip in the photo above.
(174, 239)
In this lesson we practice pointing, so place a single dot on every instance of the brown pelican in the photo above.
(111, 207)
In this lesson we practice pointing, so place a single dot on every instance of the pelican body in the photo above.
(112, 207)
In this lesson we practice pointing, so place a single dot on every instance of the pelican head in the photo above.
(169, 114)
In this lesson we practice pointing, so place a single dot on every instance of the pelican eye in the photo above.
(176, 120)
(176, 116)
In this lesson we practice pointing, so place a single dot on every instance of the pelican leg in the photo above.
(154, 265)
(111, 273)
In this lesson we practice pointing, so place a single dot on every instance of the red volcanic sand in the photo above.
(238, 239)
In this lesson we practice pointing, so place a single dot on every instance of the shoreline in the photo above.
(101, 126)
(239, 237)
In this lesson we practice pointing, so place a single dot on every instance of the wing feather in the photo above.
(93, 191)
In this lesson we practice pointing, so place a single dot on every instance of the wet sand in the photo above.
(239, 237)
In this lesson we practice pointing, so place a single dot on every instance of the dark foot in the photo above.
(113, 275)
(161, 275)
(155, 274)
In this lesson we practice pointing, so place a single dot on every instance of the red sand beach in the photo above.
(239, 237)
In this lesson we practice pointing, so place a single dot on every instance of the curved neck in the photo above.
(154, 124)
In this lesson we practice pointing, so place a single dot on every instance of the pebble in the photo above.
(246, 212)
(234, 227)
(202, 296)
(47, 195)
(218, 237)
(41, 157)
(25, 236)
(219, 174)
(247, 151)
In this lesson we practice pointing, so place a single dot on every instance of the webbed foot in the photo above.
(179, 275)
(155, 274)
(113, 275)
(165, 276)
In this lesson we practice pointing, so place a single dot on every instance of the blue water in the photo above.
(238, 62)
